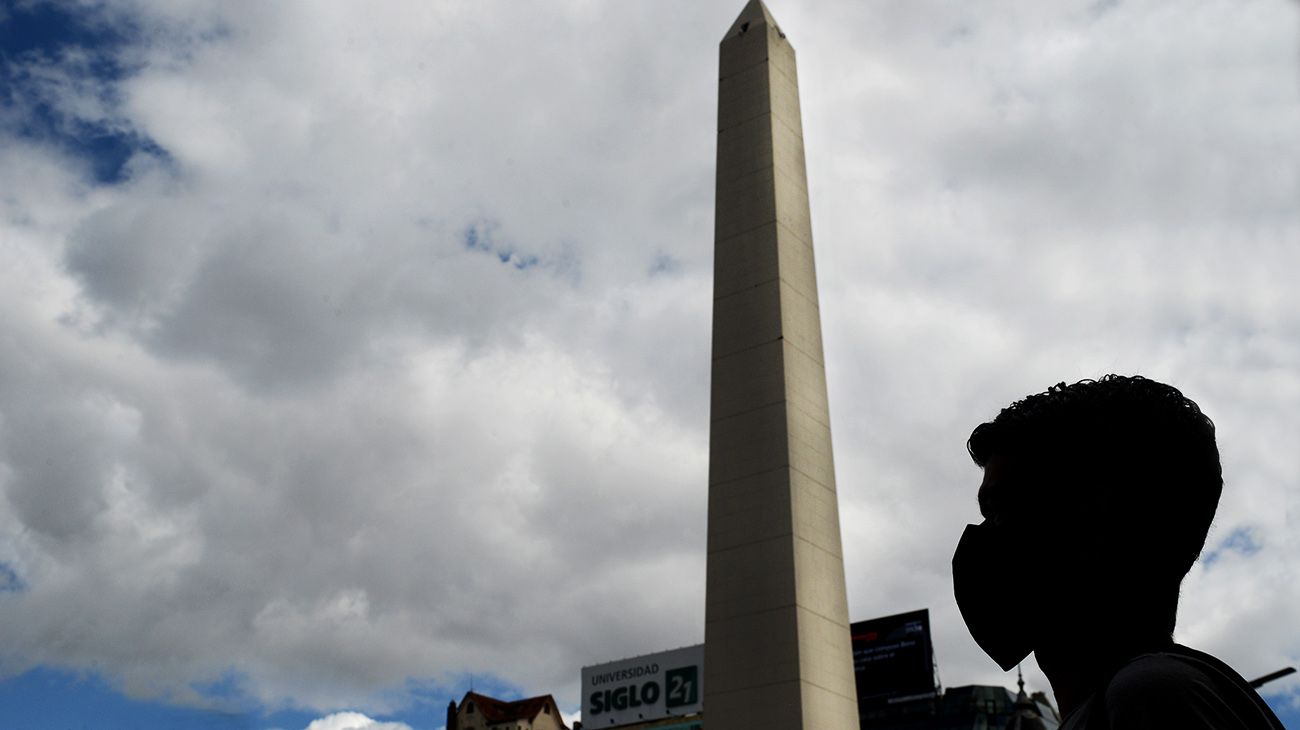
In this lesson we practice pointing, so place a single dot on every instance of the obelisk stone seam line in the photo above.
(745, 181)
(768, 60)
(800, 241)
(760, 472)
(764, 343)
(781, 118)
(795, 179)
(743, 69)
(785, 467)
(814, 480)
(753, 286)
(794, 82)
(782, 467)
(781, 338)
(817, 360)
(783, 279)
(838, 557)
(774, 115)
(811, 302)
(777, 114)
(744, 184)
(765, 684)
(777, 220)
(752, 687)
(799, 238)
(730, 182)
(781, 535)
(822, 687)
(774, 538)
(746, 348)
(811, 416)
(746, 233)
(800, 680)
(783, 122)
(761, 611)
(747, 120)
(747, 411)
(751, 543)
(750, 474)
(794, 402)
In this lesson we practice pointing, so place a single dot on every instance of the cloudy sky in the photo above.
(351, 354)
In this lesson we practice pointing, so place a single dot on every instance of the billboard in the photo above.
(650, 687)
(892, 657)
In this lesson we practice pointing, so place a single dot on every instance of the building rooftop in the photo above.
(494, 710)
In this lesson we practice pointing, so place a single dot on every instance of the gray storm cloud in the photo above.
(396, 365)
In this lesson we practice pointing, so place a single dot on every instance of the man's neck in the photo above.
(1076, 669)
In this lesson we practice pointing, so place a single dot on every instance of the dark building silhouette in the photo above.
(972, 707)
(898, 688)
(480, 712)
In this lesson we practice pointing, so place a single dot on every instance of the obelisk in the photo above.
(776, 636)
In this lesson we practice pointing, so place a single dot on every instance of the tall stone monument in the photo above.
(777, 651)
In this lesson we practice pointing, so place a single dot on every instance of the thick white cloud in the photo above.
(397, 367)
(353, 721)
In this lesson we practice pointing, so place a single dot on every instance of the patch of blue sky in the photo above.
(10, 581)
(522, 262)
(1242, 541)
(1286, 707)
(46, 26)
(49, 698)
(484, 684)
(480, 237)
(231, 689)
(81, 44)
(664, 264)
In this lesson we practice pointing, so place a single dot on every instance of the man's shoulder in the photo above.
(1160, 675)
(1182, 687)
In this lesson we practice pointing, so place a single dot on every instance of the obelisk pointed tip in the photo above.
(755, 13)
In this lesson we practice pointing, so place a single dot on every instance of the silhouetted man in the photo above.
(1101, 493)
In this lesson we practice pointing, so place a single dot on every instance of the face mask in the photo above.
(980, 567)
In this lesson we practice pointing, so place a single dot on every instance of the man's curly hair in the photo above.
(1132, 457)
